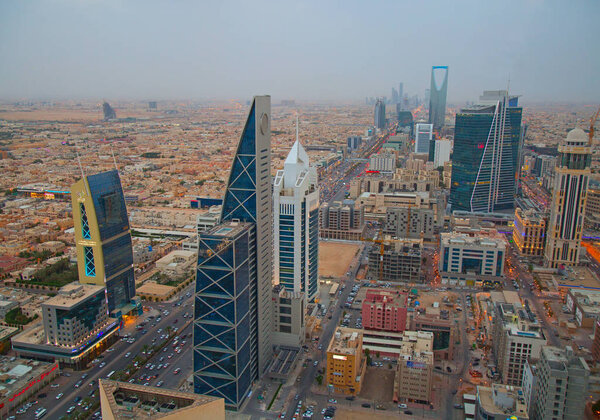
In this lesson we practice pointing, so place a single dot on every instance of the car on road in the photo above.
(128, 354)
(54, 385)
(176, 371)
(402, 406)
(332, 401)
(59, 396)
(160, 383)
(408, 412)
(315, 363)
(366, 405)
(71, 409)
(351, 398)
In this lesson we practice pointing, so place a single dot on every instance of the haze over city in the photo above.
(311, 51)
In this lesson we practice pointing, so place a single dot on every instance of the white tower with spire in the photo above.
(295, 224)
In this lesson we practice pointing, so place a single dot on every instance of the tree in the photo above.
(320, 379)
(377, 354)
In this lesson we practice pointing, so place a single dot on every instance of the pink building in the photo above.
(384, 310)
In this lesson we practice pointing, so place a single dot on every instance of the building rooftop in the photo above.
(563, 359)
(16, 373)
(125, 400)
(227, 229)
(72, 294)
(464, 239)
(588, 300)
(345, 341)
(503, 401)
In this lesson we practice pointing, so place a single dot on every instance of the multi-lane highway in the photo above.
(81, 384)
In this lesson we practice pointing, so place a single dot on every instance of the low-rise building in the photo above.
(177, 263)
(472, 261)
(21, 379)
(383, 162)
(501, 402)
(529, 232)
(346, 363)
(384, 310)
(399, 263)
(7, 306)
(120, 400)
(585, 305)
(341, 220)
(443, 334)
(406, 222)
(414, 375)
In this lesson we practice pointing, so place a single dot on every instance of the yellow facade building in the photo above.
(346, 363)
(529, 232)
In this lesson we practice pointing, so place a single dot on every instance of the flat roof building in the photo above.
(501, 401)
(384, 310)
(345, 362)
(414, 375)
(119, 400)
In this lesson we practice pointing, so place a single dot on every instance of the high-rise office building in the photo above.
(486, 152)
(103, 238)
(296, 224)
(567, 210)
(233, 308)
(400, 93)
(423, 136)
(437, 96)
(379, 116)
(441, 152)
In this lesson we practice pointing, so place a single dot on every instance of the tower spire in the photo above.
(297, 136)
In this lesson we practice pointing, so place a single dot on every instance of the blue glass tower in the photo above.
(485, 161)
(103, 238)
(233, 308)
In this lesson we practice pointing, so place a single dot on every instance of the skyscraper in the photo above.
(423, 136)
(379, 119)
(437, 97)
(102, 237)
(296, 224)
(401, 93)
(233, 308)
(486, 152)
(567, 210)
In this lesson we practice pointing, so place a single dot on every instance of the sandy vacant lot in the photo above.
(335, 258)
(378, 384)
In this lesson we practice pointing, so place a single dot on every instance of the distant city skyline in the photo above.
(112, 50)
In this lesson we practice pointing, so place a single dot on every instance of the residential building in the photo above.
(376, 204)
(384, 310)
(400, 261)
(296, 225)
(23, 379)
(501, 401)
(443, 333)
(562, 381)
(341, 220)
(529, 232)
(346, 363)
(379, 115)
(406, 222)
(567, 209)
(441, 153)
(596, 343)
(437, 96)
(177, 263)
(485, 161)
(233, 301)
(423, 136)
(584, 305)
(120, 400)
(414, 374)
(103, 238)
(75, 328)
(289, 325)
(383, 162)
(468, 260)
(517, 336)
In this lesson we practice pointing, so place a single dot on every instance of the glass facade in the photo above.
(437, 97)
(286, 251)
(222, 326)
(109, 203)
(485, 158)
(90, 266)
(313, 253)
(120, 289)
(85, 227)
(85, 314)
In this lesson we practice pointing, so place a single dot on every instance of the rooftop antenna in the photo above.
(114, 160)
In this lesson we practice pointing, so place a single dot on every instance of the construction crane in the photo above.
(592, 122)
(382, 243)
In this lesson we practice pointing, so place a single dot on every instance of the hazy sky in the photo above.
(307, 50)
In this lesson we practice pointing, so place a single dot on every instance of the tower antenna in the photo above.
(297, 137)
(114, 160)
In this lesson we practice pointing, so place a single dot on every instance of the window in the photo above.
(90, 267)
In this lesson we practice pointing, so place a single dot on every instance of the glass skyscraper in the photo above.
(379, 114)
(296, 225)
(103, 238)
(485, 160)
(437, 97)
(233, 308)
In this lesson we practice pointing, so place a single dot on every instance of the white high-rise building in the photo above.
(423, 135)
(441, 153)
(296, 224)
